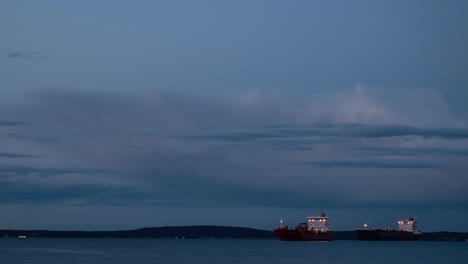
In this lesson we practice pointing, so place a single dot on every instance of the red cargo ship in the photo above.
(317, 228)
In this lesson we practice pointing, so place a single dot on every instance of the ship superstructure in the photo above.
(408, 225)
(318, 223)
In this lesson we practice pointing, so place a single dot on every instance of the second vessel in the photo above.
(407, 231)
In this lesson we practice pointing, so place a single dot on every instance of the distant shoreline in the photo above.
(200, 232)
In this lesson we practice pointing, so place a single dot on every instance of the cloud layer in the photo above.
(164, 148)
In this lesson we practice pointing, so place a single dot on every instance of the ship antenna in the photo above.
(281, 222)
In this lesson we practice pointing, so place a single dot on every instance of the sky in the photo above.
(129, 114)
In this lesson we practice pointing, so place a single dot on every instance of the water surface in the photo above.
(142, 251)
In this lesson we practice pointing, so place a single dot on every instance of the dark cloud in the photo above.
(26, 55)
(383, 164)
(17, 171)
(183, 187)
(54, 177)
(174, 187)
(413, 151)
(399, 131)
(19, 136)
(16, 155)
(289, 146)
(333, 130)
(15, 54)
(58, 185)
(299, 144)
(83, 194)
(12, 123)
(234, 135)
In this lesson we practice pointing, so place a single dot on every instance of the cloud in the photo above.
(26, 55)
(84, 194)
(19, 136)
(332, 130)
(13, 172)
(162, 187)
(234, 135)
(12, 123)
(361, 106)
(414, 151)
(399, 131)
(16, 155)
(171, 148)
(374, 163)
(60, 185)
(15, 54)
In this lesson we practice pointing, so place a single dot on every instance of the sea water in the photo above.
(142, 251)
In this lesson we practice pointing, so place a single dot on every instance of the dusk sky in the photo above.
(129, 114)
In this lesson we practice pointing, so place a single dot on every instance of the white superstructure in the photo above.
(318, 223)
(407, 225)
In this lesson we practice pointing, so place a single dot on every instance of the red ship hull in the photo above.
(285, 234)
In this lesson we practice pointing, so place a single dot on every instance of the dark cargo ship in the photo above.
(407, 231)
(317, 228)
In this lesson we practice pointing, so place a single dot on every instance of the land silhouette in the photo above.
(200, 232)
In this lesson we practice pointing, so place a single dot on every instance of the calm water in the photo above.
(142, 251)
